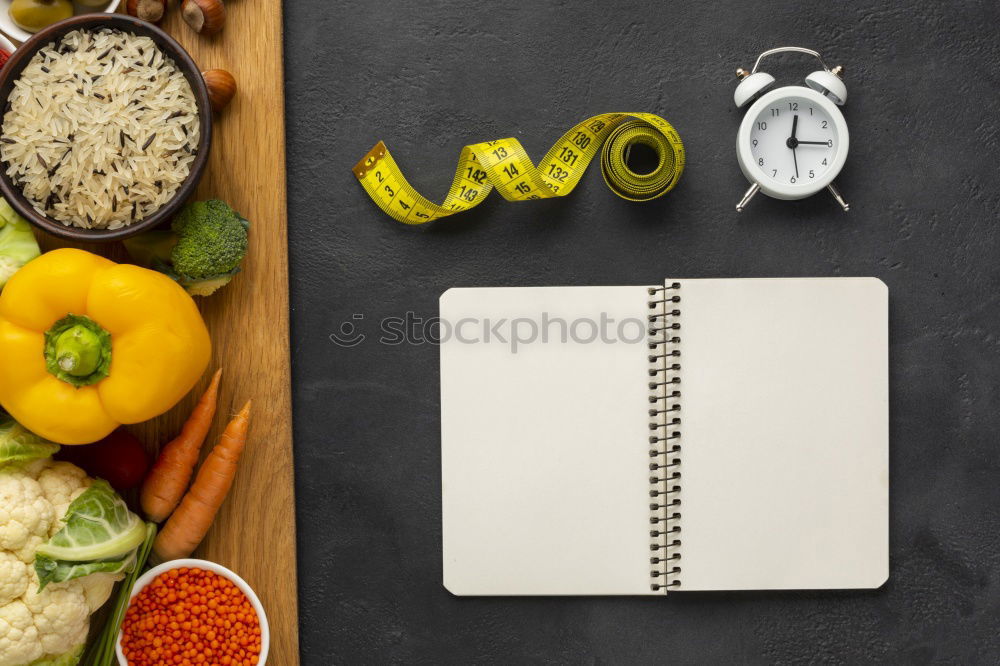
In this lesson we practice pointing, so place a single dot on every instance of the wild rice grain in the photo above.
(70, 97)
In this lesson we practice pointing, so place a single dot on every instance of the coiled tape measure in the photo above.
(503, 164)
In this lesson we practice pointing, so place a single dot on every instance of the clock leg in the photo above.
(747, 197)
(836, 195)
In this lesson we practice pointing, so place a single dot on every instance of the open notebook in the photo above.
(700, 435)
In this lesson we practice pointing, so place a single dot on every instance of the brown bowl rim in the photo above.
(20, 59)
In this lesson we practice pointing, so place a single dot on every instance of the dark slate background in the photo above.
(429, 77)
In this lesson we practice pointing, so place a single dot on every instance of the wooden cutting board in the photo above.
(254, 533)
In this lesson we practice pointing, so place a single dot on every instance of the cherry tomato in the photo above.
(119, 459)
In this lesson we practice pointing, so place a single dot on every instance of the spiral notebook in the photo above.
(699, 435)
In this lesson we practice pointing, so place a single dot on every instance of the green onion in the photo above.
(102, 651)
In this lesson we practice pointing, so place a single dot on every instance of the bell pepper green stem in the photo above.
(78, 350)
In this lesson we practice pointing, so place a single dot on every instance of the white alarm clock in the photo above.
(793, 140)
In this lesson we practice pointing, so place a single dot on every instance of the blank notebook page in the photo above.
(785, 434)
(544, 453)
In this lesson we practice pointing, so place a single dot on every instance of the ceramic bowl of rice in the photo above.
(106, 128)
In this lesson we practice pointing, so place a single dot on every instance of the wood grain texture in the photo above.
(254, 533)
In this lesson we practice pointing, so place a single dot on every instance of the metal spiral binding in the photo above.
(665, 437)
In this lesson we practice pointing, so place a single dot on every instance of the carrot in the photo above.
(171, 474)
(190, 522)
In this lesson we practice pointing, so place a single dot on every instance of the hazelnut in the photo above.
(221, 88)
(147, 10)
(204, 16)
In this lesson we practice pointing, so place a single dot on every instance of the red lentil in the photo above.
(190, 616)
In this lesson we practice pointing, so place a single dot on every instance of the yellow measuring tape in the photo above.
(503, 164)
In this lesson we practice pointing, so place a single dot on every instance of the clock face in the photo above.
(794, 142)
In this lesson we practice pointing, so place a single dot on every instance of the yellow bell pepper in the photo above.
(87, 344)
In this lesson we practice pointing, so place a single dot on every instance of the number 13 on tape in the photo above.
(504, 165)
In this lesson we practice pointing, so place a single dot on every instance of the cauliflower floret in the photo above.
(33, 468)
(27, 553)
(13, 577)
(24, 511)
(33, 501)
(61, 483)
(61, 614)
(19, 642)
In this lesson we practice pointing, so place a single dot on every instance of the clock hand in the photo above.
(813, 143)
(793, 143)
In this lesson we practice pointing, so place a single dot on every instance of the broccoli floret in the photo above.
(211, 240)
(202, 251)
(17, 242)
